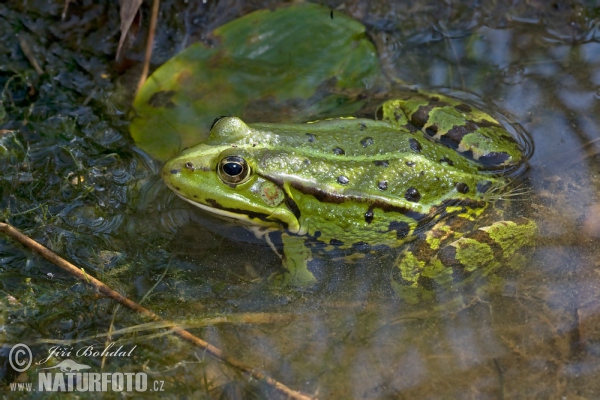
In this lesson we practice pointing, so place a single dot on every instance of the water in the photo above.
(533, 335)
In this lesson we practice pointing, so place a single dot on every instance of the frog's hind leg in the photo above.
(468, 130)
(486, 248)
(445, 259)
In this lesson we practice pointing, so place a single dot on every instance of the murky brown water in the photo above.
(536, 335)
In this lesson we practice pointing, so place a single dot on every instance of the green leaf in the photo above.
(286, 61)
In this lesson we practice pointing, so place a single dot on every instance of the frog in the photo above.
(417, 183)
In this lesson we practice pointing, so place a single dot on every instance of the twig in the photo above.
(246, 318)
(29, 54)
(149, 44)
(63, 16)
(182, 333)
(500, 378)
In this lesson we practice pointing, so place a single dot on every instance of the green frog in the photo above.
(413, 184)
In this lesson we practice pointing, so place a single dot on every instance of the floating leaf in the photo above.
(264, 62)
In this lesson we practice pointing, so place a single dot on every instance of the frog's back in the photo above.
(368, 162)
(365, 180)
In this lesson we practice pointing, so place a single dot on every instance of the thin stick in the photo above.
(182, 333)
(63, 16)
(29, 54)
(149, 44)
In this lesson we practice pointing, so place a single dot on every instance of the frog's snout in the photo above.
(171, 167)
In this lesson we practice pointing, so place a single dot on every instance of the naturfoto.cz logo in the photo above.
(72, 376)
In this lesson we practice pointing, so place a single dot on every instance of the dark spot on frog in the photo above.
(335, 242)
(493, 159)
(483, 186)
(176, 187)
(432, 130)
(382, 185)
(446, 160)
(414, 145)
(398, 116)
(402, 228)
(189, 165)
(369, 216)
(338, 151)
(420, 117)
(454, 136)
(162, 99)
(311, 137)
(462, 187)
(366, 142)
(381, 163)
(174, 171)
(306, 161)
(343, 180)
(434, 98)
(447, 257)
(362, 126)
(484, 237)
(412, 194)
(463, 107)
(410, 164)
(317, 234)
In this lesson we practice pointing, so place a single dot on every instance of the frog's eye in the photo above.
(234, 169)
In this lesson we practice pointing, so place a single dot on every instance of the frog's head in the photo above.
(222, 176)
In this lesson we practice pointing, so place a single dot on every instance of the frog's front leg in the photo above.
(296, 256)
(423, 268)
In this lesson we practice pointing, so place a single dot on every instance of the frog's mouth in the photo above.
(245, 219)
(260, 229)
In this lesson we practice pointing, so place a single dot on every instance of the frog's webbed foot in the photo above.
(419, 274)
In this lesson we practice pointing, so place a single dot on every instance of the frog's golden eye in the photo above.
(234, 169)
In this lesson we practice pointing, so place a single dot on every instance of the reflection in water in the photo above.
(533, 334)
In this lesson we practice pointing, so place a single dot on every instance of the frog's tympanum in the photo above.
(418, 183)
